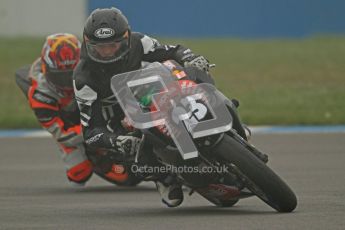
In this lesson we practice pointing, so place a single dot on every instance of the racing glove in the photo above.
(127, 145)
(197, 61)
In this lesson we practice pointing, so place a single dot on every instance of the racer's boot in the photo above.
(79, 174)
(170, 191)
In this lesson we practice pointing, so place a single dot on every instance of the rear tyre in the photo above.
(228, 203)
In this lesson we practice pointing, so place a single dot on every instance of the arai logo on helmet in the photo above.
(104, 32)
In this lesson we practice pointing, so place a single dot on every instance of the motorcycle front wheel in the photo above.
(255, 174)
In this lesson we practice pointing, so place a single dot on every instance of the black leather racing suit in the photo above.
(97, 104)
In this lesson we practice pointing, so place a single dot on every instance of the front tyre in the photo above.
(257, 176)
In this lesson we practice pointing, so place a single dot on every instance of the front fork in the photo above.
(236, 121)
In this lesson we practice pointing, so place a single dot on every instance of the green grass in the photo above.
(281, 81)
(276, 81)
(14, 53)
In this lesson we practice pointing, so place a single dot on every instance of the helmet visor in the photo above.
(62, 80)
(107, 52)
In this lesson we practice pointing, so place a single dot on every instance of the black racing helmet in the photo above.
(107, 35)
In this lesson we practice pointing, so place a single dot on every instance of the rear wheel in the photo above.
(228, 203)
(255, 174)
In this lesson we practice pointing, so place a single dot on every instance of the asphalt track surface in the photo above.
(34, 193)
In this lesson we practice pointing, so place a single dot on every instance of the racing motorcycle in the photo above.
(164, 104)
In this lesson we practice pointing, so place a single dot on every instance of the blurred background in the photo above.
(284, 60)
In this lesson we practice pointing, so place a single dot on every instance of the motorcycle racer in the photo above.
(49, 90)
(110, 47)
